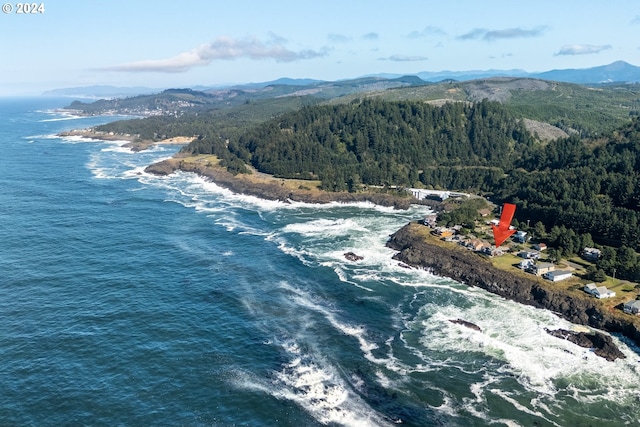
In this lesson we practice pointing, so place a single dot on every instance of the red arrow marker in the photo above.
(502, 231)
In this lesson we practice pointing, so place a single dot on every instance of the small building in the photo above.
(492, 250)
(631, 307)
(529, 254)
(557, 275)
(430, 220)
(599, 291)
(541, 268)
(591, 254)
(520, 237)
(540, 247)
(525, 264)
(475, 244)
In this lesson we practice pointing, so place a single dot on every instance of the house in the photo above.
(598, 291)
(541, 268)
(525, 264)
(557, 275)
(631, 307)
(430, 220)
(476, 244)
(591, 254)
(492, 250)
(520, 237)
(529, 254)
(540, 247)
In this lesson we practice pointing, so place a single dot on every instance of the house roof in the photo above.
(558, 273)
(633, 303)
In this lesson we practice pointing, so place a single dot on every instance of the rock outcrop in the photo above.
(351, 256)
(601, 344)
(466, 324)
(474, 270)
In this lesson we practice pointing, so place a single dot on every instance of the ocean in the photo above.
(133, 300)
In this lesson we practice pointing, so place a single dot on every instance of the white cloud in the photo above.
(428, 31)
(508, 33)
(581, 49)
(339, 38)
(371, 36)
(404, 58)
(222, 48)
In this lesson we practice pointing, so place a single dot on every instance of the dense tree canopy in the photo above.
(377, 142)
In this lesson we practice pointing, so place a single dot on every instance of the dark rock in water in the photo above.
(162, 168)
(601, 344)
(467, 324)
(352, 256)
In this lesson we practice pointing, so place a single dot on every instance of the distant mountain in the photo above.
(286, 81)
(178, 101)
(618, 71)
(101, 91)
(437, 76)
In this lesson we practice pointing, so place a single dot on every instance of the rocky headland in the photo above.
(271, 188)
(472, 269)
(133, 142)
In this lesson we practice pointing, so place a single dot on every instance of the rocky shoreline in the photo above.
(273, 189)
(469, 268)
(415, 251)
(134, 143)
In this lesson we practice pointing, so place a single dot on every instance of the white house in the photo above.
(591, 254)
(631, 307)
(525, 263)
(598, 291)
(557, 275)
(520, 236)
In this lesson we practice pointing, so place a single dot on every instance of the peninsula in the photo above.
(133, 142)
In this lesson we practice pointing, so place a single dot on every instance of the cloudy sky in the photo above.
(162, 44)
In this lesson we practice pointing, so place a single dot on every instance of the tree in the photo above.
(539, 230)
(599, 276)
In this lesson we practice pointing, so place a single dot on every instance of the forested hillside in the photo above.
(383, 143)
(579, 190)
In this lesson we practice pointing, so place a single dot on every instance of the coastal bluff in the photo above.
(472, 269)
(268, 187)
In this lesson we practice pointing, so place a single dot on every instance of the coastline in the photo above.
(270, 188)
(419, 251)
(413, 250)
(134, 143)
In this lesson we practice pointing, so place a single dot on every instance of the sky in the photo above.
(187, 43)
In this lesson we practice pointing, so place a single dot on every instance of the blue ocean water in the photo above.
(134, 300)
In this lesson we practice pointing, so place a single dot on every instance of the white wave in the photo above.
(42, 136)
(316, 386)
(312, 383)
(61, 119)
(536, 359)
